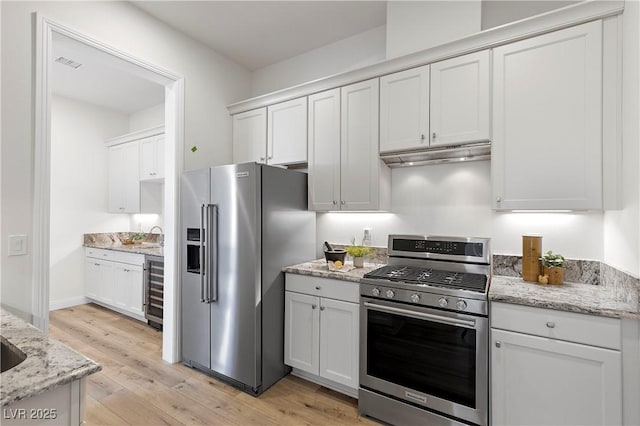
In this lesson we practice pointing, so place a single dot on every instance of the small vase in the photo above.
(358, 262)
(556, 274)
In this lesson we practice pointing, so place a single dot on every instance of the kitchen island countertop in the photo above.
(607, 300)
(49, 363)
(318, 268)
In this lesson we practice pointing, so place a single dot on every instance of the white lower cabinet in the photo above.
(546, 380)
(321, 330)
(116, 281)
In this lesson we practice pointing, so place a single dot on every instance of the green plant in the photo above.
(550, 260)
(357, 251)
(138, 236)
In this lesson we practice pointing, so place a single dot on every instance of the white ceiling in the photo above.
(255, 34)
(103, 79)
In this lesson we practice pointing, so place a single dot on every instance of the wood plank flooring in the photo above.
(137, 387)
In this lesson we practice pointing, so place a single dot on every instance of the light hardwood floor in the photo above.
(136, 387)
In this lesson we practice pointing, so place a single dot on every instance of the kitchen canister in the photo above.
(531, 252)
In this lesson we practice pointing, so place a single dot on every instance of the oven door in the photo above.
(428, 357)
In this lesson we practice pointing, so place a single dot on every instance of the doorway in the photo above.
(48, 33)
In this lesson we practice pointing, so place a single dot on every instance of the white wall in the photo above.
(350, 53)
(500, 12)
(147, 118)
(622, 228)
(79, 188)
(211, 83)
(455, 199)
(417, 25)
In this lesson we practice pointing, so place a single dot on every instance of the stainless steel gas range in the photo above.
(424, 332)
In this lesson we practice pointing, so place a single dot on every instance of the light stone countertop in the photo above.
(319, 268)
(152, 249)
(616, 301)
(49, 363)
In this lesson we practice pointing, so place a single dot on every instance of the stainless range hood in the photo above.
(438, 155)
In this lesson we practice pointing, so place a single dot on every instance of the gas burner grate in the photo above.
(429, 276)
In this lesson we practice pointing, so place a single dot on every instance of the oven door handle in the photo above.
(421, 315)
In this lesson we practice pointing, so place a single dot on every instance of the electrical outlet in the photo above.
(17, 245)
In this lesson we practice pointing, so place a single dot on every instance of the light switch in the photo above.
(17, 245)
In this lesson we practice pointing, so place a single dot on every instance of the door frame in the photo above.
(174, 164)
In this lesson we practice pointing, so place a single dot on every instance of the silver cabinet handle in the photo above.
(322, 308)
(498, 344)
(422, 137)
(343, 202)
(96, 264)
(317, 287)
(313, 306)
(261, 158)
(335, 202)
(551, 324)
(152, 173)
(433, 136)
(498, 199)
(270, 157)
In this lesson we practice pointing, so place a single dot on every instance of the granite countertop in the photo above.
(608, 300)
(318, 268)
(49, 363)
(152, 249)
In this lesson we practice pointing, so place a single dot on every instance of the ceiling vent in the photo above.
(439, 155)
(68, 62)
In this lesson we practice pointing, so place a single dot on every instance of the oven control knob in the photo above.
(415, 298)
(461, 305)
(443, 302)
(375, 292)
(390, 294)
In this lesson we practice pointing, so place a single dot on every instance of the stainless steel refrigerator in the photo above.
(241, 224)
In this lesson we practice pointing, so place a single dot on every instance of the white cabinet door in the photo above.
(116, 179)
(542, 381)
(460, 99)
(124, 179)
(135, 287)
(324, 150)
(120, 286)
(152, 158)
(404, 110)
(339, 341)
(287, 132)
(302, 332)
(360, 162)
(547, 121)
(250, 136)
(107, 289)
(92, 278)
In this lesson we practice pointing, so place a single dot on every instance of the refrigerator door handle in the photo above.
(201, 254)
(212, 258)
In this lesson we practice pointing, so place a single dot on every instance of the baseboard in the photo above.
(338, 387)
(67, 303)
(118, 310)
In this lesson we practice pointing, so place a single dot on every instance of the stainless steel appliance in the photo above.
(154, 290)
(241, 224)
(424, 332)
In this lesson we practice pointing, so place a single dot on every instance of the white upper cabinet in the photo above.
(124, 180)
(324, 150)
(460, 99)
(287, 132)
(404, 110)
(345, 171)
(250, 136)
(152, 158)
(361, 170)
(547, 121)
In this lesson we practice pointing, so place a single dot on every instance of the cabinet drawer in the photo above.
(348, 291)
(569, 326)
(115, 256)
